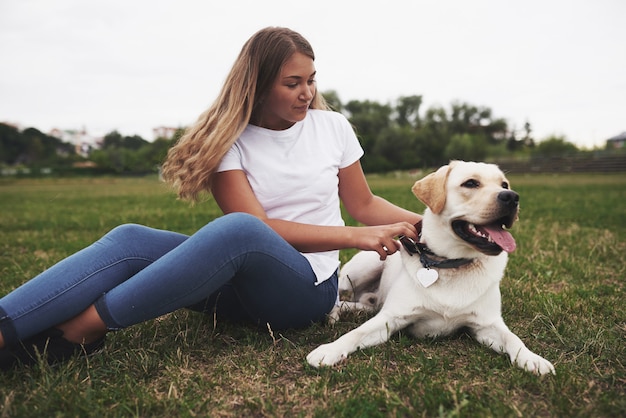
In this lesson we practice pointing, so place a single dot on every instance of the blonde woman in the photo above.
(277, 162)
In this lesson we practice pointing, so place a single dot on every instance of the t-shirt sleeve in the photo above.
(232, 160)
(352, 147)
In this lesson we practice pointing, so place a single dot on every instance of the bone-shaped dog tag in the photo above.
(427, 276)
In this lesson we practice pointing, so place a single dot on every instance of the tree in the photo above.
(10, 144)
(512, 144)
(112, 140)
(395, 149)
(467, 147)
(528, 140)
(116, 140)
(33, 147)
(467, 118)
(134, 142)
(394, 136)
(407, 110)
(554, 146)
(369, 119)
(434, 136)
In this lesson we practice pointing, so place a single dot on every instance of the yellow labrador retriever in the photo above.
(449, 279)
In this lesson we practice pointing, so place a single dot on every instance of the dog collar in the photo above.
(426, 253)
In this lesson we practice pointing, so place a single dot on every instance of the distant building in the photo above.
(617, 142)
(164, 132)
(83, 142)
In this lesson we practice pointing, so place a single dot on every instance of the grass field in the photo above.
(563, 294)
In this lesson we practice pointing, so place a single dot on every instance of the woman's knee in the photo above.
(126, 232)
(240, 225)
(144, 239)
(240, 218)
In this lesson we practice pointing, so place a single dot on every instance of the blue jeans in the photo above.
(235, 266)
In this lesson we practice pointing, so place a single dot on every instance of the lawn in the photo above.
(563, 294)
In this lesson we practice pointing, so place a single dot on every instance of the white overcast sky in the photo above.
(132, 65)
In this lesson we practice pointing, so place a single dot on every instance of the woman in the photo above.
(277, 162)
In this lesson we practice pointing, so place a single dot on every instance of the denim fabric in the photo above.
(235, 263)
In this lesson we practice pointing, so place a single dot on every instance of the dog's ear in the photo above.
(432, 189)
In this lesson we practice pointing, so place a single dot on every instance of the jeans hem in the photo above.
(105, 315)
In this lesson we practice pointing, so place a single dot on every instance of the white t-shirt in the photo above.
(293, 173)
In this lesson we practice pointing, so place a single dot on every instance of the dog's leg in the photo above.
(360, 273)
(345, 306)
(368, 304)
(373, 332)
(498, 337)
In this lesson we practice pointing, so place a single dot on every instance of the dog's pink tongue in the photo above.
(501, 237)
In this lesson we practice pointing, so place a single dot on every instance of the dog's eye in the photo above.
(505, 185)
(471, 184)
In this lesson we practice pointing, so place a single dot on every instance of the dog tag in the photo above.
(427, 276)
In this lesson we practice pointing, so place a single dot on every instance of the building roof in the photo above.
(620, 137)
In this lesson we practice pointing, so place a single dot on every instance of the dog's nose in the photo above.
(508, 198)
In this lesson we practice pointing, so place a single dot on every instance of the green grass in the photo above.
(563, 294)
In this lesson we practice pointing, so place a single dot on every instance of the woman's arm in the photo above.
(369, 209)
(366, 207)
(233, 193)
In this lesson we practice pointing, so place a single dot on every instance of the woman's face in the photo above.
(290, 96)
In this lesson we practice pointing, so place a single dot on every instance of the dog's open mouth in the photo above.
(489, 239)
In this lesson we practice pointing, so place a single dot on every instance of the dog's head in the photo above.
(476, 201)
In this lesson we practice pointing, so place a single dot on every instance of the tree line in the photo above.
(400, 136)
(395, 136)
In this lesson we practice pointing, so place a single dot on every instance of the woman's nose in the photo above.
(307, 93)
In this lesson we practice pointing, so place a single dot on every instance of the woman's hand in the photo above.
(382, 238)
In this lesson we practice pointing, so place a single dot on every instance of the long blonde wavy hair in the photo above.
(192, 162)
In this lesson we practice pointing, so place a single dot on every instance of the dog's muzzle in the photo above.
(492, 238)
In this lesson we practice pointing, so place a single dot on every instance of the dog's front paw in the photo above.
(325, 355)
(534, 363)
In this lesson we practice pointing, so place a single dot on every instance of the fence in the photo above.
(566, 164)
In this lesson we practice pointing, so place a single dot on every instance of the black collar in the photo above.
(426, 254)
